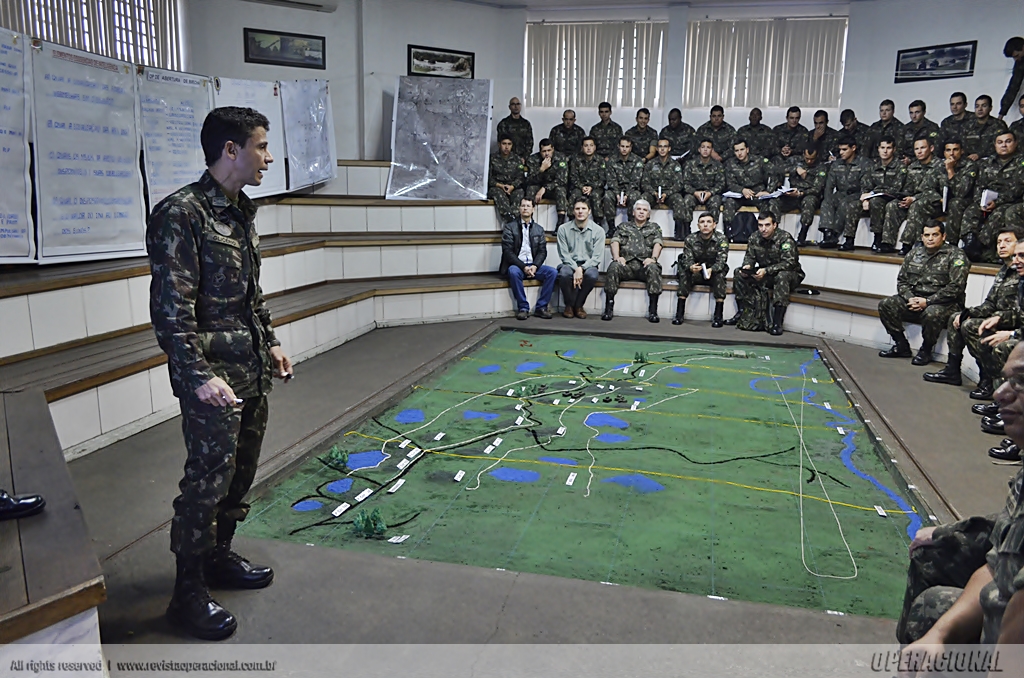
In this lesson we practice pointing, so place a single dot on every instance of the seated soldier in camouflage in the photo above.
(769, 274)
(624, 176)
(703, 184)
(806, 180)
(748, 176)
(586, 179)
(663, 186)
(1004, 174)
(703, 261)
(547, 176)
(505, 180)
(635, 249)
(840, 205)
(883, 182)
(961, 174)
(997, 313)
(929, 289)
(922, 190)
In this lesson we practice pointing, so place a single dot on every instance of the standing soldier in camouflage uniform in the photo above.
(760, 138)
(770, 268)
(624, 175)
(703, 184)
(979, 135)
(918, 126)
(703, 261)
(926, 179)
(997, 312)
(887, 126)
(807, 184)
(547, 175)
(505, 181)
(606, 133)
(663, 186)
(720, 132)
(886, 176)
(567, 137)
(644, 137)
(211, 320)
(791, 136)
(586, 179)
(841, 202)
(635, 247)
(961, 174)
(863, 134)
(518, 129)
(826, 137)
(748, 175)
(678, 133)
(953, 125)
(929, 289)
(1003, 174)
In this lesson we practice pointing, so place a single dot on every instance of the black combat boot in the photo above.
(900, 348)
(716, 319)
(886, 248)
(985, 388)
(907, 247)
(924, 355)
(993, 425)
(12, 507)
(986, 409)
(193, 609)
(847, 245)
(736, 318)
(950, 374)
(680, 310)
(225, 569)
(682, 231)
(778, 315)
(561, 219)
(652, 309)
(876, 243)
(830, 241)
(801, 239)
(609, 308)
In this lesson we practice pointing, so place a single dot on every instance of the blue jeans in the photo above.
(546, 276)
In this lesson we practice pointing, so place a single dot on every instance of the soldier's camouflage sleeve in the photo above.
(734, 177)
(749, 260)
(788, 261)
(687, 257)
(953, 291)
(492, 174)
(574, 172)
(263, 313)
(721, 264)
(904, 285)
(930, 188)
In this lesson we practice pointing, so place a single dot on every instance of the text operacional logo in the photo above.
(950, 662)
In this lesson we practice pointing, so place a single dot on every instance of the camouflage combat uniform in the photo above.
(924, 183)
(622, 176)
(794, 137)
(210, 318)
(510, 170)
(1001, 300)
(961, 190)
(979, 138)
(779, 257)
(567, 141)
(951, 127)
(893, 129)
(812, 185)
(521, 132)
(882, 178)
(754, 174)
(702, 176)
(865, 138)
(940, 277)
(841, 207)
(905, 142)
(682, 138)
(993, 358)
(668, 176)
(635, 244)
(642, 140)
(713, 252)
(1006, 177)
(721, 138)
(829, 143)
(554, 180)
(607, 137)
(760, 140)
(1017, 127)
(940, 570)
(584, 171)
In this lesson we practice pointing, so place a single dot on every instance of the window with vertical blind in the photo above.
(583, 64)
(771, 62)
(143, 32)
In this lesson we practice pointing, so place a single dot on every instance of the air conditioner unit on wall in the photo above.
(312, 5)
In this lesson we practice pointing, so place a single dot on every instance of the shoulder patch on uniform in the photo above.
(786, 245)
(822, 173)
(677, 168)
(972, 174)
(561, 163)
(958, 262)
(724, 244)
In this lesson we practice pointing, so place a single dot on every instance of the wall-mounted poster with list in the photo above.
(17, 237)
(88, 182)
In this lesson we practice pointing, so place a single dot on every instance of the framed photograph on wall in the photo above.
(285, 49)
(954, 60)
(441, 63)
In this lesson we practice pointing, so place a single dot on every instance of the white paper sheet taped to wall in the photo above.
(17, 233)
(88, 182)
(308, 132)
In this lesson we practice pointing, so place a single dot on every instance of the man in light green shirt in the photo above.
(580, 248)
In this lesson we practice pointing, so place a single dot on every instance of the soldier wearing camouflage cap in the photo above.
(211, 320)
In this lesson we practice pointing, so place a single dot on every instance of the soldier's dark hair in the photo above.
(229, 123)
(792, 109)
(527, 199)
(846, 116)
(985, 97)
(954, 95)
(767, 214)
(814, 146)
(505, 137)
(821, 114)
(577, 201)
(755, 108)
(1018, 231)
(740, 140)
(621, 139)
(604, 104)
(704, 214)
(934, 223)
(924, 135)
(1021, 99)
(676, 110)
(952, 139)
(1013, 45)
(717, 108)
(706, 140)
(547, 142)
(846, 140)
(887, 140)
(887, 102)
(918, 102)
(645, 111)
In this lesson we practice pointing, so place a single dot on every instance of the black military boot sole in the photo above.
(986, 410)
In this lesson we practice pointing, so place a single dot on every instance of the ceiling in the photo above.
(555, 5)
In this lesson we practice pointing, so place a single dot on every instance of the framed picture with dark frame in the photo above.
(953, 60)
(276, 48)
(441, 63)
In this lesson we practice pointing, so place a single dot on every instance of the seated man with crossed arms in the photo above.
(580, 247)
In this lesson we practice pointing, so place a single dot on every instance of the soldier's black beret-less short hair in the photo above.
(705, 140)
(846, 116)
(1013, 45)
(704, 214)
(821, 114)
(738, 141)
(505, 137)
(645, 111)
(952, 139)
(546, 142)
(676, 110)
(918, 103)
(792, 109)
(718, 108)
(887, 140)
(621, 139)
(767, 214)
(985, 97)
(1018, 231)
(229, 123)
(847, 140)
(961, 95)
(935, 223)
(887, 102)
(604, 104)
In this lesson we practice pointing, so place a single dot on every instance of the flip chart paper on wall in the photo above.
(265, 98)
(308, 132)
(17, 236)
(173, 107)
(88, 182)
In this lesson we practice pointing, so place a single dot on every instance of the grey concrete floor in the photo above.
(126, 490)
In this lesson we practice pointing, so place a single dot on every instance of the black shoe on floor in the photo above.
(906, 249)
(947, 375)
(225, 569)
(923, 357)
(886, 248)
(193, 609)
(993, 425)
(900, 349)
(985, 409)
(522, 315)
(542, 312)
(1011, 453)
(1006, 442)
(984, 390)
(12, 507)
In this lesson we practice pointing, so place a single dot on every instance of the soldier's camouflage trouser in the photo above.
(992, 360)
(893, 311)
(730, 206)
(938, 573)
(807, 206)
(713, 207)
(633, 270)
(915, 215)
(987, 228)
(223, 445)
(687, 280)
(556, 193)
(836, 212)
(967, 335)
(611, 204)
(674, 202)
(781, 285)
(506, 205)
(954, 220)
(595, 200)
(876, 211)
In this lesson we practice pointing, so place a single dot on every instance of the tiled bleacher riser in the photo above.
(360, 180)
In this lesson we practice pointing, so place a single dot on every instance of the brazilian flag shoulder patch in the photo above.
(958, 262)
(786, 245)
